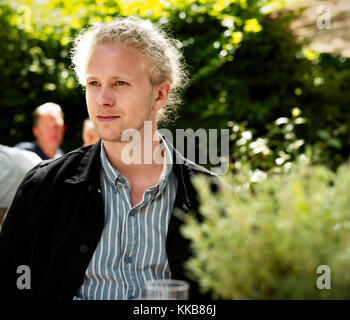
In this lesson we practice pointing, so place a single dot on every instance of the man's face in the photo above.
(119, 93)
(48, 131)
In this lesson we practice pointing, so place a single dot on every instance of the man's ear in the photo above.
(161, 95)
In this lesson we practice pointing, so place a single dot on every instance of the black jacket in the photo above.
(56, 220)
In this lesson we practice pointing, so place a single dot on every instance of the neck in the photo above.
(134, 160)
(48, 150)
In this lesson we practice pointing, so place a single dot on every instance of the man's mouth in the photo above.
(107, 118)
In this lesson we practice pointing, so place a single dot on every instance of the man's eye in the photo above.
(93, 83)
(120, 83)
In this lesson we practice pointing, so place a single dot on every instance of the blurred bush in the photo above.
(267, 237)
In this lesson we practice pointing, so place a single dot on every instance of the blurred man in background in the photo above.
(14, 164)
(48, 129)
(89, 133)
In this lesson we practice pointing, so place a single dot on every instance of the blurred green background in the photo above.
(251, 73)
(247, 67)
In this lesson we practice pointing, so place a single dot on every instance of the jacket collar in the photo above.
(89, 166)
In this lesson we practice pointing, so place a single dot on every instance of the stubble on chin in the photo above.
(115, 134)
(112, 137)
(108, 134)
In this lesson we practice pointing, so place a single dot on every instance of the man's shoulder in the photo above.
(58, 166)
(64, 159)
(26, 145)
(179, 159)
(216, 180)
(191, 168)
(18, 159)
(198, 169)
(59, 152)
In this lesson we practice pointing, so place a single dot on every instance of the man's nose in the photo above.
(105, 98)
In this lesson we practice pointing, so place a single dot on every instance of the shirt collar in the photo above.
(114, 176)
(167, 165)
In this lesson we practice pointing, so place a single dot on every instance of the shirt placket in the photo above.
(132, 237)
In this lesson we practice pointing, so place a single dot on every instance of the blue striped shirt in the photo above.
(132, 249)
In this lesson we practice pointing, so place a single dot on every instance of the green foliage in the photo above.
(275, 151)
(36, 62)
(265, 240)
(284, 219)
(269, 75)
(34, 72)
(246, 67)
(261, 79)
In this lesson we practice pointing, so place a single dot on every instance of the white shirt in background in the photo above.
(14, 164)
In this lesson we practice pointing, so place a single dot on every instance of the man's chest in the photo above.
(137, 190)
(136, 196)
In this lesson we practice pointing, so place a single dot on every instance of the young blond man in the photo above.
(91, 225)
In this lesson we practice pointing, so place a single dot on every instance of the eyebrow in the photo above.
(89, 77)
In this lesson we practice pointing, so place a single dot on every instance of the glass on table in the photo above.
(166, 289)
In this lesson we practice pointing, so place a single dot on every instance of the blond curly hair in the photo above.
(162, 51)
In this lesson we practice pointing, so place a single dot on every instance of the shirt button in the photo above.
(132, 213)
(84, 249)
(128, 259)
